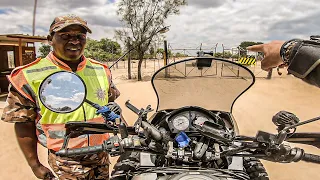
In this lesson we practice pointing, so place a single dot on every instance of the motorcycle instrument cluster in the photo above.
(184, 120)
(181, 123)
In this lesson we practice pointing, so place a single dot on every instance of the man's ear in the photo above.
(49, 38)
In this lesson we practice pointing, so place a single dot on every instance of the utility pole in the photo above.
(34, 18)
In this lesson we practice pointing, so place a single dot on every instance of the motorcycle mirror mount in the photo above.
(283, 133)
(63, 92)
(204, 62)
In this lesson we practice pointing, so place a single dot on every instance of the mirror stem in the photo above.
(97, 106)
(302, 123)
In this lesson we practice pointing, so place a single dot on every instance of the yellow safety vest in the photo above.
(95, 75)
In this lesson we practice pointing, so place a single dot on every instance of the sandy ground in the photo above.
(253, 111)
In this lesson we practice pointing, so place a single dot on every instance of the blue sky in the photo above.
(4, 10)
(227, 22)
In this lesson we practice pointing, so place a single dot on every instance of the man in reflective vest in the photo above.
(35, 123)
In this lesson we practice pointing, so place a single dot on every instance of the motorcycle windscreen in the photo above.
(211, 83)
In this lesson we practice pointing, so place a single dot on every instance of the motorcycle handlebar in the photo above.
(311, 158)
(296, 154)
(80, 151)
(132, 107)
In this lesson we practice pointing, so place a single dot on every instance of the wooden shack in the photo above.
(16, 50)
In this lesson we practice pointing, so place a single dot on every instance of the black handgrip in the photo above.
(311, 158)
(80, 151)
(132, 107)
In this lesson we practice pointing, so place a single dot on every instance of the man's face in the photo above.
(69, 43)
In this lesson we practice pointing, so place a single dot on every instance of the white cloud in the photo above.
(205, 3)
(241, 20)
(64, 76)
(59, 102)
(52, 87)
(203, 21)
(78, 97)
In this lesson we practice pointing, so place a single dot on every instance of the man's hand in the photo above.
(42, 172)
(107, 113)
(271, 52)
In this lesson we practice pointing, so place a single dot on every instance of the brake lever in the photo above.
(241, 148)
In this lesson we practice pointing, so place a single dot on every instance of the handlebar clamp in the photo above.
(285, 154)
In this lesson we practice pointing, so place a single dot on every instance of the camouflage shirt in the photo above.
(18, 108)
(89, 167)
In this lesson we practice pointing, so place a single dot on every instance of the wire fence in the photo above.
(151, 65)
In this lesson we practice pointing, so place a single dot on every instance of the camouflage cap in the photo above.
(61, 22)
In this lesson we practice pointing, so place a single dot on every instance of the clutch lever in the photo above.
(142, 113)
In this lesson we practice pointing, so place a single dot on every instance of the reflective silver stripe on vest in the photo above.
(93, 67)
(42, 139)
(42, 136)
(95, 71)
(61, 134)
(41, 69)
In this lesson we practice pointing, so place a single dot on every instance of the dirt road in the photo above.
(253, 111)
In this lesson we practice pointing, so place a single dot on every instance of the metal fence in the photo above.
(150, 66)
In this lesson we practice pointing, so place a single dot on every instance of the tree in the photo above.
(143, 20)
(227, 54)
(151, 51)
(180, 55)
(44, 50)
(110, 46)
(246, 44)
(92, 49)
(235, 56)
(243, 46)
(161, 51)
(103, 50)
(218, 54)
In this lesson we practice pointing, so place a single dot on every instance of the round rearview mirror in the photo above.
(62, 92)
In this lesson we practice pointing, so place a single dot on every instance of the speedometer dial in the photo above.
(180, 123)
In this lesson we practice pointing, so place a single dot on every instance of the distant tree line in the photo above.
(102, 50)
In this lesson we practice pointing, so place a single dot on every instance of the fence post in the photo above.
(165, 57)
(270, 73)
(129, 61)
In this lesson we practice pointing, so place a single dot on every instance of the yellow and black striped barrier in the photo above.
(247, 61)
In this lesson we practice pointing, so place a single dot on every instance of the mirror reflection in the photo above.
(62, 92)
